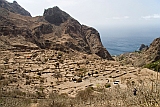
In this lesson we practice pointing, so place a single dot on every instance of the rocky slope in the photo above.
(14, 7)
(54, 30)
(141, 58)
(153, 53)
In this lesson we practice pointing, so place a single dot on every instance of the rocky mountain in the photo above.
(14, 7)
(54, 30)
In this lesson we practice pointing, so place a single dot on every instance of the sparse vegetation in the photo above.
(153, 66)
(97, 97)
(107, 85)
(15, 102)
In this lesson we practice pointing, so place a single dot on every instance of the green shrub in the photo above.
(153, 66)
(108, 85)
(60, 53)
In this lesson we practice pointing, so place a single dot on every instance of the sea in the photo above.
(123, 40)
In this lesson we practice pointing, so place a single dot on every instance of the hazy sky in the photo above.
(100, 13)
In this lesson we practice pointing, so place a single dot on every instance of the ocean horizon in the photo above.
(123, 40)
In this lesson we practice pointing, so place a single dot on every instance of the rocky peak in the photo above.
(14, 2)
(55, 15)
(14, 7)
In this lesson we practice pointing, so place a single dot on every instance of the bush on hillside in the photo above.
(153, 66)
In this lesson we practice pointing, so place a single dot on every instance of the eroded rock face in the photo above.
(55, 30)
(93, 40)
(44, 28)
(55, 16)
(14, 7)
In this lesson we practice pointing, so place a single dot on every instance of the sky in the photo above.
(102, 13)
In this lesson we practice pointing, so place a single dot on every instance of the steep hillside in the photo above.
(153, 53)
(141, 58)
(54, 30)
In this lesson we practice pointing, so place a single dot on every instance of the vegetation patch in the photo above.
(108, 85)
(153, 66)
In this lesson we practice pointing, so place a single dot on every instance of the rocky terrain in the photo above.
(147, 55)
(54, 61)
(57, 71)
(38, 73)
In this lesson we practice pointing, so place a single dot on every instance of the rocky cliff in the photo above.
(14, 7)
(54, 30)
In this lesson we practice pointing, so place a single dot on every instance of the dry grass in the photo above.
(14, 102)
(91, 97)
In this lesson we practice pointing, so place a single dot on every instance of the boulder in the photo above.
(143, 47)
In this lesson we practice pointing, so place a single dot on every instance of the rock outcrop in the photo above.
(55, 16)
(14, 7)
(54, 30)
(143, 47)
